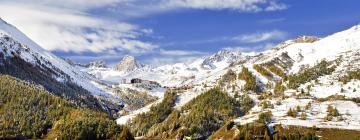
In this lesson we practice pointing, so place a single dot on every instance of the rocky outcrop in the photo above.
(127, 64)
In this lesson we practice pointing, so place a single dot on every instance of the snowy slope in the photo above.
(14, 42)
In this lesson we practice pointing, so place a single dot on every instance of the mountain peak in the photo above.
(128, 63)
(223, 55)
(128, 58)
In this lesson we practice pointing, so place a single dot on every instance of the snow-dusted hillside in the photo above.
(326, 90)
(340, 49)
(15, 46)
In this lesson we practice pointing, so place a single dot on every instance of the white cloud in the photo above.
(261, 37)
(66, 29)
(273, 6)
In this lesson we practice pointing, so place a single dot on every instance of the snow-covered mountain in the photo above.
(175, 74)
(26, 60)
(340, 50)
(128, 64)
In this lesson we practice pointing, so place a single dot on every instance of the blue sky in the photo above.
(169, 31)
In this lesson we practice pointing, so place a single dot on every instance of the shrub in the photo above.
(303, 116)
(228, 77)
(266, 104)
(291, 112)
(350, 75)
(332, 112)
(265, 95)
(298, 108)
(246, 103)
(265, 117)
(308, 106)
(279, 89)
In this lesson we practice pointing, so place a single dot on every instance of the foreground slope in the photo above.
(28, 111)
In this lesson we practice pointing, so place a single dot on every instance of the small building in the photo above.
(135, 80)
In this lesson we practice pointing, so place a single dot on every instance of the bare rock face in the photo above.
(306, 39)
(128, 63)
(299, 39)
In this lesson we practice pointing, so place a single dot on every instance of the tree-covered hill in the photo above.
(28, 111)
(197, 119)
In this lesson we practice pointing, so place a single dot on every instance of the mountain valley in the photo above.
(305, 88)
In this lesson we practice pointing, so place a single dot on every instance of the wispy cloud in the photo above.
(70, 29)
(251, 38)
(261, 37)
(140, 7)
